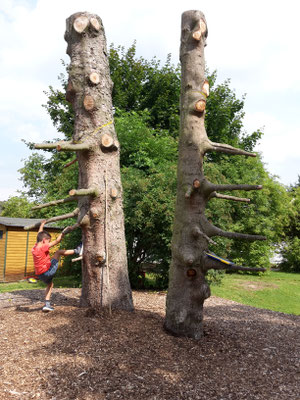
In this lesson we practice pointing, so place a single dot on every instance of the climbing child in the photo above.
(45, 268)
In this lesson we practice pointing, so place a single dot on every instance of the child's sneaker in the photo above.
(47, 308)
(79, 250)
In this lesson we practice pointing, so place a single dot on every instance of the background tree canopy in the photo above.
(146, 100)
(291, 233)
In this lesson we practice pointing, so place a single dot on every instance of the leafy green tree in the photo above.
(148, 160)
(17, 207)
(146, 85)
(290, 249)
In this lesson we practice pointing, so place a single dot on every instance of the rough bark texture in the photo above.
(192, 231)
(104, 264)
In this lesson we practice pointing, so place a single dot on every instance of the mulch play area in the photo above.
(246, 353)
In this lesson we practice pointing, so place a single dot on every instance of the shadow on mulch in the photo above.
(243, 355)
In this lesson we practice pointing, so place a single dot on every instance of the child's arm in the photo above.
(41, 228)
(57, 240)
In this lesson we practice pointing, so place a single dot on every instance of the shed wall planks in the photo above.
(16, 260)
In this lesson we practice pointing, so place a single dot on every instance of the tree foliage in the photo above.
(141, 85)
(291, 233)
(17, 207)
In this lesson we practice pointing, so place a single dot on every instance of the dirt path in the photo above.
(246, 353)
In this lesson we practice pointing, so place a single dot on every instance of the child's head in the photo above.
(43, 235)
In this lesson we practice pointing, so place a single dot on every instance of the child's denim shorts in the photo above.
(47, 276)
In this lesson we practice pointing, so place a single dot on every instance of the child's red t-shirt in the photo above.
(41, 258)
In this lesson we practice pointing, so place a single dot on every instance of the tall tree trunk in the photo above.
(99, 194)
(192, 231)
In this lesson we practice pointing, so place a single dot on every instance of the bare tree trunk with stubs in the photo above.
(94, 141)
(192, 231)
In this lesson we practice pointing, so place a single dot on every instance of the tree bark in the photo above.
(188, 288)
(105, 283)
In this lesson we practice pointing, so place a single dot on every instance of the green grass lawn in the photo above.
(277, 291)
(59, 282)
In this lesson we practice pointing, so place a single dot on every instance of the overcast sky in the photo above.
(254, 43)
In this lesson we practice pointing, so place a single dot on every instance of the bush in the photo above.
(291, 255)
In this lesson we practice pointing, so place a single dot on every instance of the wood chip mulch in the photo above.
(246, 353)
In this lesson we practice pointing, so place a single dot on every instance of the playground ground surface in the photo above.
(73, 353)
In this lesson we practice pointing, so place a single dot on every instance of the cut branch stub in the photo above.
(94, 78)
(85, 221)
(200, 31)
(80, 24)
(88, 103)
(197, 35)
(196, 184)
(202, 26)
(95, 213)
(84, 192)
(67, 146)
(200, 105)
(192, 188)
(61, 145)
(95, 23)
(227, 197)
(101, 257)
(205, 88)
(113, 193)
(107, 141)
(188, 192)
(48, 145)
(70, 92)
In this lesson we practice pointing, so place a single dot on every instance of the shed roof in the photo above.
(21, 222)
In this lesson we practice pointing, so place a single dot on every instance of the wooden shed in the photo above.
(16, 260)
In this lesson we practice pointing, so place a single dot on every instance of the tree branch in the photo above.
(226, 197)
(227, 149)
(78, 224)
(70, 163)
(54, 219)
(68, 146)
(48, 145)
(209, 263)
(62, 145)
(234, 235)
(69, 229)
(84, 192)
(196, 232)
(221, 188)
(77, 259)
(55, 202)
